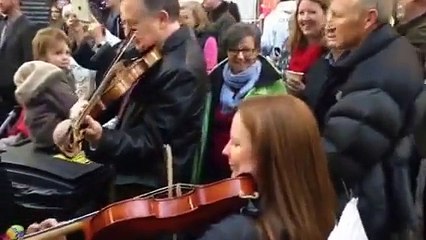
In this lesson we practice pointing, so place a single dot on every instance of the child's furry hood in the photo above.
(33, 77)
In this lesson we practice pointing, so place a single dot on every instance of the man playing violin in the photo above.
(164, 107)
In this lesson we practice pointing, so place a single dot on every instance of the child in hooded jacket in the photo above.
(45, 87)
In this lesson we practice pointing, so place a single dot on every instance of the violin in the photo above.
(157, 212)
(124, 78)
(117, 81)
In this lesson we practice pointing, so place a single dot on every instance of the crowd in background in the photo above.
(358, 65)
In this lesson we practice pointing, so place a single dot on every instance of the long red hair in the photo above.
(297, 196)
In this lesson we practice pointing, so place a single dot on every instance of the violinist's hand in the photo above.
(77, 108)
(92, 131)
(48, 223)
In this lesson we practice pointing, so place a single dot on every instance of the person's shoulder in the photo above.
(226, 18)
(187, 59)
(236, 226)
(407, 64)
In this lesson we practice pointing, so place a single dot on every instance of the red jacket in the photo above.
(19, 126)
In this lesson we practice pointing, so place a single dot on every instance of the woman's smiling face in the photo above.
(243, 56)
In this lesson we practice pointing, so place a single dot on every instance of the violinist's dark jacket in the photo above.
(165, 107)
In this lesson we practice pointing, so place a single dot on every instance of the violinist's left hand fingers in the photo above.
(93, 131)
(33, 228)
(48, 223)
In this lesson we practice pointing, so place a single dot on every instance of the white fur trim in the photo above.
(31, 77)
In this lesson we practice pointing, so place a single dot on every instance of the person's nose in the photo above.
(225, 150)
(329, 27)
(65, 58)
(240, 55)
(304, 16)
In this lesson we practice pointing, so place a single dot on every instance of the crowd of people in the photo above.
(323, 103)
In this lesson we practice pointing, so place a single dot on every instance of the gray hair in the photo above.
(385, 9)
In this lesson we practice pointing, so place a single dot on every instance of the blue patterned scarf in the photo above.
(236, 86)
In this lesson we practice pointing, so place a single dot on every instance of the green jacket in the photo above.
(270, 83)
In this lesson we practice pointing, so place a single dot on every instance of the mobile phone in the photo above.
(81, 8)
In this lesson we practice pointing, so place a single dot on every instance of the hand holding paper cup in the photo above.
(294, 81)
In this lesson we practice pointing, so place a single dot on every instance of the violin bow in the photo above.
(169, 162)
(169, 167)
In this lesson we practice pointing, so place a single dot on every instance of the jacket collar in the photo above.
(375, 42)
(176, 39)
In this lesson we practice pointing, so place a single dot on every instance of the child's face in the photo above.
(59, 55)
(55, 13)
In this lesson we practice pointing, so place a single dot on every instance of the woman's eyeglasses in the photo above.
(244, 51)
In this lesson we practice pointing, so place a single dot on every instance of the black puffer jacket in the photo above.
(165, 107)
(365, 105)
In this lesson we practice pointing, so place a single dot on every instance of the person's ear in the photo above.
(371, 19)
(164, 19)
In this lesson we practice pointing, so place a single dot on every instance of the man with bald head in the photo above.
(364, 103)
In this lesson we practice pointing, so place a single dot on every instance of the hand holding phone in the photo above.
(81, 8)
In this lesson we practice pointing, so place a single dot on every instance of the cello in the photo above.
(157, 212)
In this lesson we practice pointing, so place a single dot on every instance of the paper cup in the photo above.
(293, 75)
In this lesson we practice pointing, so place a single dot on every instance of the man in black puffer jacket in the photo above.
(364, 103)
